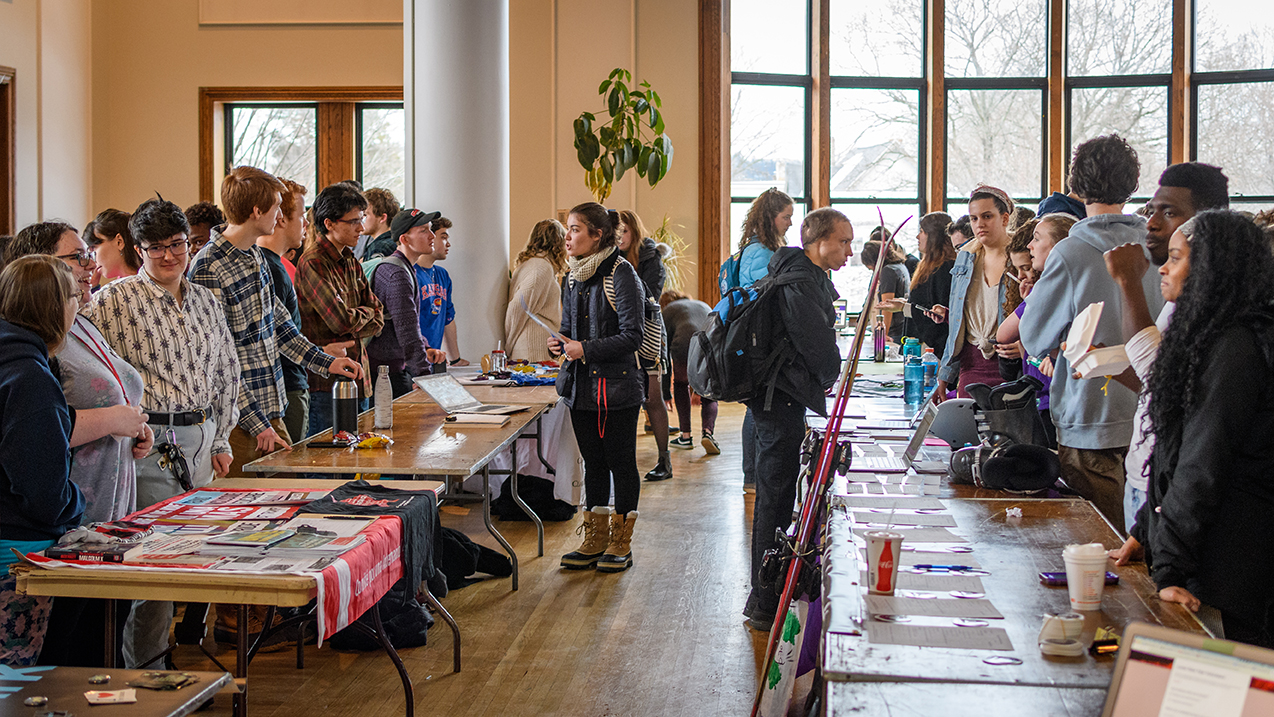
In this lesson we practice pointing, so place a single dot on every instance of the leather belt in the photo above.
(188, 418)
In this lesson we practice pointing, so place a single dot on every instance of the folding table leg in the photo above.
(111, 651)
(517, 498)
(241, 663)
(451, 623)
(486, 518)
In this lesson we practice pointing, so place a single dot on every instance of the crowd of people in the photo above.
(217, 333)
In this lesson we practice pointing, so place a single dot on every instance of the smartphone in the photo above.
(342, 445)
(1059, 579)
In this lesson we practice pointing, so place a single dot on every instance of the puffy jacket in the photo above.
(37, 499)
(607, 376)
(650, 268)
(808, 320)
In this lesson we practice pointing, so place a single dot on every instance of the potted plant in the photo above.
(608, 149)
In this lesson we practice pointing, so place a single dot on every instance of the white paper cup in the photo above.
(1085, 574)
(884, 548)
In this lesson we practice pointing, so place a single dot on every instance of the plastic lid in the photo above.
(928, 349)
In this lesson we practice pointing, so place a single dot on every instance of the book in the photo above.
(256, 539)
(94, 552)
(304, 545)
(1084, 359)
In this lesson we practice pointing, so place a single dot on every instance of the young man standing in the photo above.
(400, 346)
(1093, 418)
(437, 309)
(233, 267)
(806, 319)
(203, 217)
(174, 333)
(335, 301)
(382, 207)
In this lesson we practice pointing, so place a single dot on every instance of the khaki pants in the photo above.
(1098, 476)
(244, 446)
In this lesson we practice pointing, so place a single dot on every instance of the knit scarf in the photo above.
(582, 268)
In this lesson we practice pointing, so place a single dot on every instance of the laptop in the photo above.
(454, 398)
(910, 423)
(900, 464)
(1165, 671)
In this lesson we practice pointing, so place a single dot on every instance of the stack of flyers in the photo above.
(164, 680)
(254, 497)
(110, 697)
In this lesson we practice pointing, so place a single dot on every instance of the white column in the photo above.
(456, 93)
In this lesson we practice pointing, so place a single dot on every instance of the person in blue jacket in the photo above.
(1093, 417)
(764, 232)
(38, 502)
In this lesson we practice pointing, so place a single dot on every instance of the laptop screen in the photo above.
(447, 392)
(922, 432)
(1168, 678)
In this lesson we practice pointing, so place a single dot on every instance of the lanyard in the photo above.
(100, 354)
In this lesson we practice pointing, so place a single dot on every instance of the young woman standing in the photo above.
(977, 295)
(643, 253)
(601, 382)
(535, 281)
(931, 283)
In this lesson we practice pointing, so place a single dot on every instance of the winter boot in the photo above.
(662, 469)
(619, 554)
(596, 536)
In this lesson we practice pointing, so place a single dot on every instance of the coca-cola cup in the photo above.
(884, 548)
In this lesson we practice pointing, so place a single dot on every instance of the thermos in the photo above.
(344, 405)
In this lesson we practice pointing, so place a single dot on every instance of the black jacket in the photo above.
(650, 268)
(935, 289)
(610, 338)
(1206, 521)
(807, 320)
(294, 374)
(37, 499)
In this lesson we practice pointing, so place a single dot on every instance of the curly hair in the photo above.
(40, 238)
(381, 202)
(156, 220)
(936, 249)
(205, 213)
(759, 223)
(1231, 281)
(547, 240)
(1105, 170)
(1019, 242)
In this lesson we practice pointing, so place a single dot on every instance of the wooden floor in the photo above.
(665, 638)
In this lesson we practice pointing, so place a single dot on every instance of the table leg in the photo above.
(486, 518)
(111, 650)
(517, 498)
(241, 663)
(451, 623)
(539, 446)
(377, 632)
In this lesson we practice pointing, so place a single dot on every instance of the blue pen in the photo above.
(945, 567)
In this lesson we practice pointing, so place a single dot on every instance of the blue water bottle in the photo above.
(930, 362)
(913, 379)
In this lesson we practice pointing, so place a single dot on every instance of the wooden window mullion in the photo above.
(335, 142)
(935, 84)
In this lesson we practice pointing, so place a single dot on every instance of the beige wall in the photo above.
(150, 57)
(557, 59)
(48, 44)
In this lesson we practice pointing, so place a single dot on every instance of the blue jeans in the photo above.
(776, 467)
(321, 412)
(1134, 498)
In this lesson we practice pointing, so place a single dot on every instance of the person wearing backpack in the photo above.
(764, 232)
(804, 320)
(603, 314)
(400, 345)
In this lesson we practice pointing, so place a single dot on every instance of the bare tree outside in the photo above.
(278, 140)
(383, 144)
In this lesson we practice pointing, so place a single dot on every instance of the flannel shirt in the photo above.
(183, 351)
(261, 326)
(336, 304)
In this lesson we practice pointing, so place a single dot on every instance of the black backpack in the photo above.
(742, 350)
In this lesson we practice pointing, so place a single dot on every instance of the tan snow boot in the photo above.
(619, 554)
(596, 532)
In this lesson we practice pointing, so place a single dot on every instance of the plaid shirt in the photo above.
(336, 304)
(261, 326)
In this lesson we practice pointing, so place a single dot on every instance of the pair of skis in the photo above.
(807, 528)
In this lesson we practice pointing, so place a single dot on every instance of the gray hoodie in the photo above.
(1089, 413)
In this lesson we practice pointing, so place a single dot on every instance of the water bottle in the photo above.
(910, 347)
(383, 417)
(930, 362)
(913, 379)
(344, 405)
(878, 338)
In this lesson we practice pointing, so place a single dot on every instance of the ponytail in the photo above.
(600, 221)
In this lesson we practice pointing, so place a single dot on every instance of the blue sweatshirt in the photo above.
(37, 499)
(1075, 276)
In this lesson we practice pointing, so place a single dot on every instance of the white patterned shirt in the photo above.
(184, 351)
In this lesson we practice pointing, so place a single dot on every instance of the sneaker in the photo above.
(710, 444)
(682, 442)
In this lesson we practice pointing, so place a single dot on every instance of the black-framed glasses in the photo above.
(157, 251)
(83, 258)
(351, 222)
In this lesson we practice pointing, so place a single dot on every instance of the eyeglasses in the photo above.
(157, 251)
(351, 222)
(83, 258)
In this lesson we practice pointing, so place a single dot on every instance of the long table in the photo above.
(64, 687)
(424, 445)
(210, 586)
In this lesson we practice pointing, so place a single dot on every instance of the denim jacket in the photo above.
(961, 275)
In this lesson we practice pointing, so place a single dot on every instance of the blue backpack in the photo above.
(728, 277)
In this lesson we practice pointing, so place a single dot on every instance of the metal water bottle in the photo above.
(344, 405)
(878, 338)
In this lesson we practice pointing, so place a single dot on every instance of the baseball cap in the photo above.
(406, 219)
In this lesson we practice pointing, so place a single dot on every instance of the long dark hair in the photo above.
(937, 249)
(1231, 283)
(600, 221)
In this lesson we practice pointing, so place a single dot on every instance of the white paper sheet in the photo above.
(915, 558)
(968, 638)
(939, 520)
(935, 582)
(948, 607)
(921, 535)
(860, 501)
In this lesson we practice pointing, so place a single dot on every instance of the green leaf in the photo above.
(643, 161)
(640, 105)
(589, 116)
(616, 71)
(582, 154)
(645, 84)
(653, 163)
(664, 143)
(665, 161)
(580, 129)
(614, 100)
(656, 121)
(619, 168)
(654, 97)
(601, 90)
(623, 89)
(608, 171)
(606, 135)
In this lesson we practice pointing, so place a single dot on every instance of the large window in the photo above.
(281, 139)
(381, 135)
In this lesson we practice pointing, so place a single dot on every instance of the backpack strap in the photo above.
(396, 261)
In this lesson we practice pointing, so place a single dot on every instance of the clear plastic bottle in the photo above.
(930, 362)
(383, 416)
(913, 379)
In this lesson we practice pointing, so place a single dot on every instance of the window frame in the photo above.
(227, 123)
(8, 148)
(1228, 77)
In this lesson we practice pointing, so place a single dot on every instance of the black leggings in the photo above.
(681, 398)
(608, 442)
